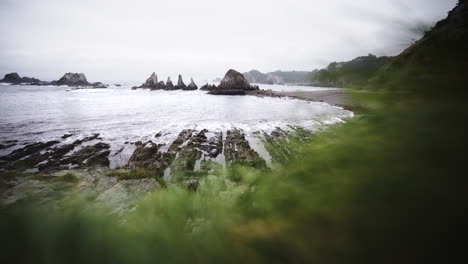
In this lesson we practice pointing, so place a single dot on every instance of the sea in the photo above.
(121, 115)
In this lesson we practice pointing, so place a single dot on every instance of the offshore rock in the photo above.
(70, 79)
(152, 80)
(76, 80)
(191, 86)
(14, 78)
(180, 83)
(169, 84)
(73, 79)
(152, 83)
(233, 83)
(208, 87)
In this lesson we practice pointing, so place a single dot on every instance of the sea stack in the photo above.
(192, 85)
(169, 84)
(180, 83)
(233, 83)
(151, 81)
(73, 79)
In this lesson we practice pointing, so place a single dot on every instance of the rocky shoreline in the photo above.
(84, 164)
(191, 154)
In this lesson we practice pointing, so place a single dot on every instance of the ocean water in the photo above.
(119, 114)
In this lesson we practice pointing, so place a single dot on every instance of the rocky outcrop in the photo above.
(14, 78)
(73, 79)
(191, 86)
(77, 80)
(70, 79)
(188, 156)
(233, 83)
(152, 81)
(238, 151)
(208, 87)
(169, 84)
(180, 83)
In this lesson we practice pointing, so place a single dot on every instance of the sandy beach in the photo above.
(332, 97)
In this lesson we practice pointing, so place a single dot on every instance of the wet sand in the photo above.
(332, 97)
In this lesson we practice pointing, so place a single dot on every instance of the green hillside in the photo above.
(354, 73)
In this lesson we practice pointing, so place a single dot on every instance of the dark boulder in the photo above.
(233, 83)
(73, 79)
(76, 80)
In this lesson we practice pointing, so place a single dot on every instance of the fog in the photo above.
(127, 40)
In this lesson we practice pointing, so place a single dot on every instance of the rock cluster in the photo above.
(14, 78)
(153, 84)
(233, 83)
(193, 153)
(208, 87)
(70, 79)
(77, 80)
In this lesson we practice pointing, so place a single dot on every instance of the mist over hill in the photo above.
(337, 74)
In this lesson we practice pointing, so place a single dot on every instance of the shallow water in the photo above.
(119, 114)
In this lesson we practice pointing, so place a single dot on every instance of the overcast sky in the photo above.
(127, 40)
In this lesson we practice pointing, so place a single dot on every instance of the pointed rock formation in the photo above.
(233, 83)
(192, 85)
(151, 81)
(169, 84)
(180, 83)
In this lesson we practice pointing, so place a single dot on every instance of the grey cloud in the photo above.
(126, 40)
